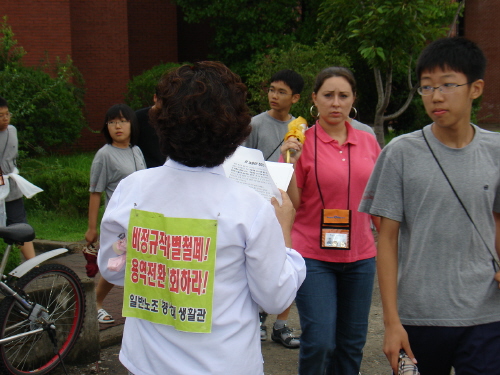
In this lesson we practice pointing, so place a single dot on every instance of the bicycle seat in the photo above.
(17, 233)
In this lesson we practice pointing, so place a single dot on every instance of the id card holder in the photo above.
(335, 229)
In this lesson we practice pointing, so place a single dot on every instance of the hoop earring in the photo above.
(311, 112)
(355, 112)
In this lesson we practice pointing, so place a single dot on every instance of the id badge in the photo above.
(335, 229)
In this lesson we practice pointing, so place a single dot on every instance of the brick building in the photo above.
(111, 41)
(480, 25)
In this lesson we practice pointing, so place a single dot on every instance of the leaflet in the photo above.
(248, 167)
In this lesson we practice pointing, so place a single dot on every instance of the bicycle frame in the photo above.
(31, 311)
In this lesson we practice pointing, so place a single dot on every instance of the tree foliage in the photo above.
(244, 28)
(46, 102)
(308, 61)
(388, 35)
(141, 88)
(10, 55)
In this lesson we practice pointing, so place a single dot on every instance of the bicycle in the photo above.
(42, 313)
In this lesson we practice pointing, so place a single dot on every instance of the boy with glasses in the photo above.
(14, 205)
(269, 128)
(437, 191)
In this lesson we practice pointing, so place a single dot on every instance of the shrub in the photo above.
(305, 60)
(47, 102)
(66, 189)
(142, 87)
(46, 111)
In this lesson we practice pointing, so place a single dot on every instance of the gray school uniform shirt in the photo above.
(111, 165)
(445, 271)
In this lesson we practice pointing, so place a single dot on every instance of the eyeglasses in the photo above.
(280, 93)
(115, 123)
(5, 115)
(446, 88)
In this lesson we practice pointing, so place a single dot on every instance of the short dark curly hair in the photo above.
(201, 115)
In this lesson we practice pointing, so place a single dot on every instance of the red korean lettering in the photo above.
(186, 281)
(153, 243)
(173, 280)
(143, 270)
(161, 275)
(198, 248)
(134, 271)
(152, 274)
(144, 240)
(176, 244)
(136, 232)
(164, 244)
(187, 248)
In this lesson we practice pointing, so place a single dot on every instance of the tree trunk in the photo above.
(378, 125)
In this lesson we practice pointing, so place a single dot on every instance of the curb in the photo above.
(47, 245)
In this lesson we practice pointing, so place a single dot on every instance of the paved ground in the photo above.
(278, 359)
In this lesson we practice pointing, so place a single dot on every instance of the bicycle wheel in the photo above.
(58, 289)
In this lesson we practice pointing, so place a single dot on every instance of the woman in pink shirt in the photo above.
(331, 172)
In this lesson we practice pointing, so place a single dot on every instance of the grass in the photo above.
(51, 224)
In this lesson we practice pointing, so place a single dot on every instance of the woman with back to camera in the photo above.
(201, 119)
(331, 171)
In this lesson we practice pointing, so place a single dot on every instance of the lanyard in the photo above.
(316, 169)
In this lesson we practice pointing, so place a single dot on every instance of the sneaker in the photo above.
(284, 336)
(263, 333)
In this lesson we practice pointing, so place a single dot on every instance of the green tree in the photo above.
(141, 88)
(10, 55)
(244, 28)
(308, 61)
(388, 35)
(47, 101)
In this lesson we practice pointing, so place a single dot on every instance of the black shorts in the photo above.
(15, 212)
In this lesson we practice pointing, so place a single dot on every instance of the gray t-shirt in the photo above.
(268, 133)
(360, 126)
(111, 165)
(445, 272)
(8, 156)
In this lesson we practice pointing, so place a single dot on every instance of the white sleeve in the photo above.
(274, 272)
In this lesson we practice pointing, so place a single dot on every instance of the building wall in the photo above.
(40, 27)
(152, 34)
(481, 25)
(99, 36)
(109, 41)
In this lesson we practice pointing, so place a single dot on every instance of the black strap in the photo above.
(271, 154)
(461, 203)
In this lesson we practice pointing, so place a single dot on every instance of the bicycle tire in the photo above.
(59, 290)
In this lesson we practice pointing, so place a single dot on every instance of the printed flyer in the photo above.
(169, 275)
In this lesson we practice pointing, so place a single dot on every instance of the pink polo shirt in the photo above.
(333, 171)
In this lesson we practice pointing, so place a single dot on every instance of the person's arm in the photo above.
(285, 215)
(496, 215)
(94, 204)
(395, 337)
(293, 191)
